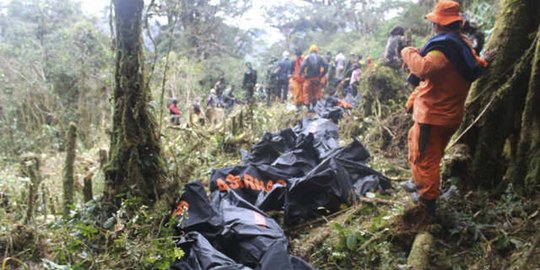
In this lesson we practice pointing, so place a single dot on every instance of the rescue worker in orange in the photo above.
(313, 69)
(296, 81)
(442, 72)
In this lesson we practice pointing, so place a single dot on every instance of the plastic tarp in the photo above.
(325, 132)
(329, 108)
(201, 215)
(251, 182)
(264, 184)
(201, 255)
(251, 237)
(247, 238)
(271, 146)
(302, 171)
(335, 182)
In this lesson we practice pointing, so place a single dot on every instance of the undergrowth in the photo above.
(135, 236)
(476, 230)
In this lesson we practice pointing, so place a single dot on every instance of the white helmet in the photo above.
(285, 54)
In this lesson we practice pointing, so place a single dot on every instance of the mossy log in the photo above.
(68, 167)
(502, 119)
(136, 166)
(421, 249)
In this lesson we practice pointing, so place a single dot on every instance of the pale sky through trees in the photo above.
(251, 19)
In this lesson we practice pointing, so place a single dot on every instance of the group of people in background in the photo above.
(302, 79)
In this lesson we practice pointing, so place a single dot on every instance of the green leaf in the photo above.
(351, 241)
(178, 253)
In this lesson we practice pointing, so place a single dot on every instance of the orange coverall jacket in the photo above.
(296, 82)
(440, 97)
(437, 105)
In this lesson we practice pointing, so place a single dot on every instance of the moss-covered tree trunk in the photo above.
(135, 167)
(30, 168)
(503, 106)
(68, 167)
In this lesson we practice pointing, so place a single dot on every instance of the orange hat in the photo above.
(445, 13)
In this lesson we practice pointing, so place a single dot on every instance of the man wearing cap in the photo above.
(313, 70)
(284, 67)
(442, 72)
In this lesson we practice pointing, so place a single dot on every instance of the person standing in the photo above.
(283, 71)
(219, 86)
(296, 81)
(355, 78)
(477, 37)
(271, 81)
(249, 81)
(330, 85)
(313, 70)
(174, 112)
(392, 52)
(340, 66)
(211, 106)
(442, 71)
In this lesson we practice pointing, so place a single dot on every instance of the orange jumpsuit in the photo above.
(312, 90)
(296, 82)
(438, 106)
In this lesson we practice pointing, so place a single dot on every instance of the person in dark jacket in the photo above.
(283, 70)
(313, 69)
(395, 43)
(249, 81)
(330, 86)
(475, 35)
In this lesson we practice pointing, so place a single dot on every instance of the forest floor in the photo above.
(474, 230)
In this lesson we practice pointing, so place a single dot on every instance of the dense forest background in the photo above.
(57, 61)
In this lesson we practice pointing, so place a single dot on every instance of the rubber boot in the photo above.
(312, 107)
(409, 186)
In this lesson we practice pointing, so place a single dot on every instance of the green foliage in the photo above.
(54, 62)
(361, 241)
(383, 90)
(136, 239)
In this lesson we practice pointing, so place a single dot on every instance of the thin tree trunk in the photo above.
(30, 168)
(87, 188)
(68, 167)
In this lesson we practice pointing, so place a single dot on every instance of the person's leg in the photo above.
(285, 90)
(426, 150)
(251, 90)
(306, 91)
(317, 91)
(297, 94)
